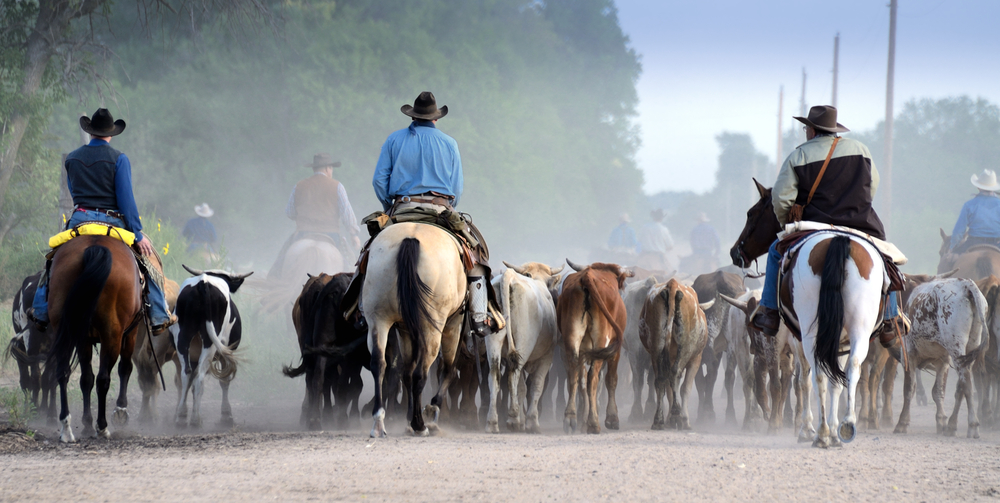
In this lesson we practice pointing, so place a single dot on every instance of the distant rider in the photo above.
(843, 198)
(199, 231)
(654, 243)
(100, 181)
(979, 222)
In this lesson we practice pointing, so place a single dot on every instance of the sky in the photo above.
(717, 65)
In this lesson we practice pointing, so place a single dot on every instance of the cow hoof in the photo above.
(88, 431)
(104, 433)
(66, 431)
(593, 429)
(432, 413)
(120, 416)
(804, 437)
(949, 432)
(534, 427)
(900, 428)
(973, 432)
(413, 433)
(569, 425)
(847, 432)
(226, 422)
(658, 426)
(195, 423)
(611, 423)
(492, 427)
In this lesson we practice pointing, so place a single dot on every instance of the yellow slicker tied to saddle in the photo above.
(92, 229)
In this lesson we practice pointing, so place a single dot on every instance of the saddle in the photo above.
(790, 245)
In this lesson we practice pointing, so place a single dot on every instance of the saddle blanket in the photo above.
(884, 247)
(92, 229)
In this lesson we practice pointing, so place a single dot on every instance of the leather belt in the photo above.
(110, 213)
(427, 198)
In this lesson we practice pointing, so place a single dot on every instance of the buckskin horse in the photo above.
(417, 283)
(94, 297)
(833, 288)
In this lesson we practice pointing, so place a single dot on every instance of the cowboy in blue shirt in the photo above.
(424, 164)
(979, 222)
(100, 181)
(199, 231)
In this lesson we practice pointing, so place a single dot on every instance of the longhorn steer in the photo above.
(526, 345)
(208, 329)
(642, 368)
(592, 319)
(674, 332)
(709, 287)
(27, 346)
(989, 373)
(949, 329)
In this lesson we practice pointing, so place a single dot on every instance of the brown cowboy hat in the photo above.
(102, 124)
(823, 118)
(323, 160)
(425, 108)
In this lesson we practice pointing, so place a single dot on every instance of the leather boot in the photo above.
(887, 332)
(766, 320)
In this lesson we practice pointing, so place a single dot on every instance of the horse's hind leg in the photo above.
(86, 353)
(109, 356)
(120, 415)
(378, 336)
(226, 420)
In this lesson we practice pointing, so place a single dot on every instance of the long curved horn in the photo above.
(241, 276)
(946, 274)
(194, 272)
(705, 306)
(742, 306)
(575, 267)
(512, 266)
(553, 272)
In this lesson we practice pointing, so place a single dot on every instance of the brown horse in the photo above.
(94, 297)
(978, 262)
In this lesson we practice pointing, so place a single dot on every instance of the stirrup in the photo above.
(486, 327)
(40, 325)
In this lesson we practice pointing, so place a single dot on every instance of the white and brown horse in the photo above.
(416, 282)
(833, 288)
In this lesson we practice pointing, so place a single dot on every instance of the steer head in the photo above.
(915, 280)
(621, 273)
(232, 279)
(539, 271)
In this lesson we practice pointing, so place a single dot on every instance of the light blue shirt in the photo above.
(417, 160)
(981, 216)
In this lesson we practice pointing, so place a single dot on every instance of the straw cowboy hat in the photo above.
(987, 180)
(702, 218)
(203, 210)
(323, 160)
(823, 118)
(102, 124)
(425, 108)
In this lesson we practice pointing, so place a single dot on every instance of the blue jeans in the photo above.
(158, 311)
(769, 297)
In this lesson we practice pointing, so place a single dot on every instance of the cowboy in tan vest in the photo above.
(319, 205)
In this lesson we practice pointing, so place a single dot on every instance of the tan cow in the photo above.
(674, 333)
(592, 319)
(146, 368)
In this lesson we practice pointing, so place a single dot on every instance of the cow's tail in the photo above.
(979, 324)
(412, 294)
(79, 308)
(505, 293)
(830, 318)
(224, 365)
(308, 318)
(615, 346)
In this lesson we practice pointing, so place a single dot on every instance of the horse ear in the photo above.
(575, 267)
(762, 190)
(944, 237)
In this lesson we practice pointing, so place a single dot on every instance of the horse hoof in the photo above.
(104, 433)
(804, 437)
(658, 426)
(900, 429)
(422, 433)
(120, 416)
(611, 423)
(821, 442)
(66, 432)
(88, 431)
(431, 429)
(226, 422)
(378, 427)
(492, 427)
(593, 429)
(847, 432)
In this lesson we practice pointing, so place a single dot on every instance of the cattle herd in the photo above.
(564, 333)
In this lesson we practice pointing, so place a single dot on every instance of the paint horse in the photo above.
(832, 289)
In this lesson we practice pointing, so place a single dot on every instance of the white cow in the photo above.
(949, 329)
(638, 358)
(525, 345)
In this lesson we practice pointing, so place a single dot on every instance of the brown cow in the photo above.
(592, 318)
(674, 333)
(142, 357)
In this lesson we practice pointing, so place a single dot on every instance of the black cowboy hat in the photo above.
(323, 160)
(425, 108)
(823, 118)
(102, 124)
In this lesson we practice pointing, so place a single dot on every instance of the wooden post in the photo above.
(781, 132)
(836, 58)
(890, 77)
(802, 100)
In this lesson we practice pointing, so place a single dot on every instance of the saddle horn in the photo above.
(575, 267)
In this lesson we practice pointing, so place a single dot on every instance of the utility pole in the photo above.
(802, 100)
(781, 131)
(836, 58)
(890, 77)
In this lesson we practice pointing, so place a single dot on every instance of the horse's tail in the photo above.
(79, 307)
(224, 365)
(831, 309)
(412, 293)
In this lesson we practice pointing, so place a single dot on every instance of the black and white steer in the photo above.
(207, 331)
